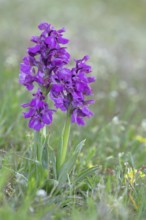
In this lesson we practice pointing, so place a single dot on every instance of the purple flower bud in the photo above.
(44, 26)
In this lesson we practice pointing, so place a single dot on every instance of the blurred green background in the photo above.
(111, 32)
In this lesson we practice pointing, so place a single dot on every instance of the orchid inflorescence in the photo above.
(45, 67)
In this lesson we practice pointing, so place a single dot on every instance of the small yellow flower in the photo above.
(140, 139)
(90, 164)
(132, 175)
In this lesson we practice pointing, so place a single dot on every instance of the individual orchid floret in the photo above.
(39, 112)
(27, 77)
(53, 36)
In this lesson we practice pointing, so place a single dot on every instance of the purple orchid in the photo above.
(45, 67)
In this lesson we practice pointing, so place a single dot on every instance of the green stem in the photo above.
(37, 151)
(65, 138)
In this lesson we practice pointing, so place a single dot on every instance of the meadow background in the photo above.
(113, 34)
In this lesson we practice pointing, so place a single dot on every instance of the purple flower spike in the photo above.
(70, 88)
(45, 57)
(39, 113)
(44, 67)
